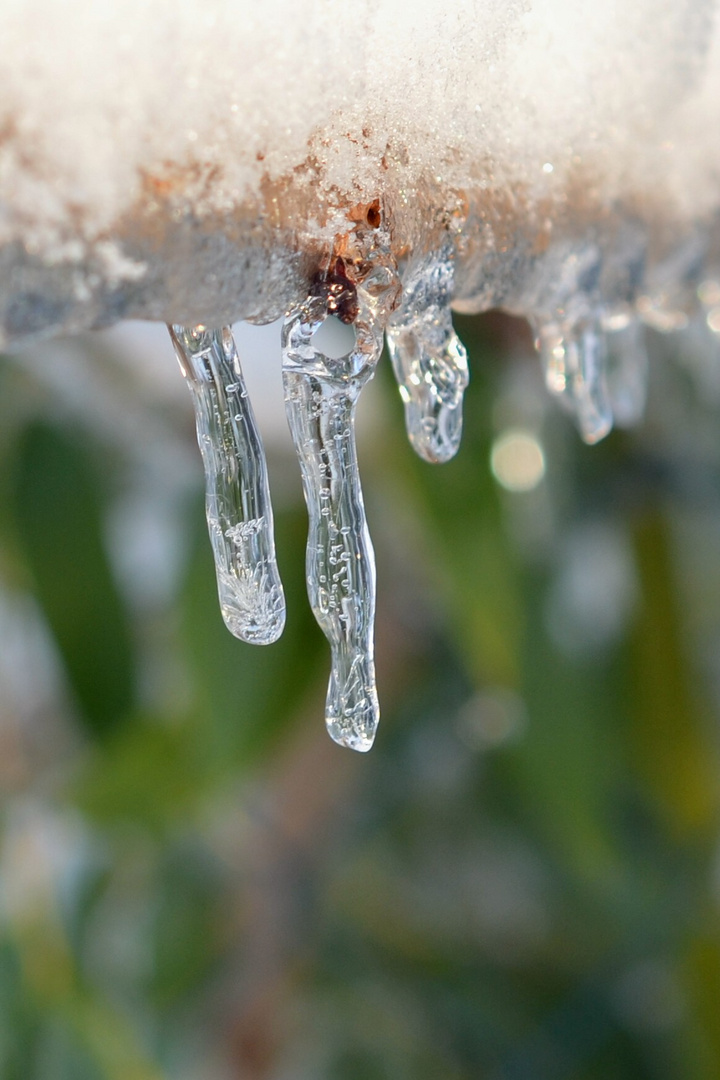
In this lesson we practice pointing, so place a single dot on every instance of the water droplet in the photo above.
(321, 395)
(237, 495)
(429, 360)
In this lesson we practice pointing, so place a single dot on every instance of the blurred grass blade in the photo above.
(249, 696)
(58, 511)
(674, 754)
(458, 506)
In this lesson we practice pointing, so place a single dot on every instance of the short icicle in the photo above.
(574, 359)
(627, 369)
(321, 395)
(237, 495)
(428, 358)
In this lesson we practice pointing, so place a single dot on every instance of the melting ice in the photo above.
(591, 348)
(554, 160)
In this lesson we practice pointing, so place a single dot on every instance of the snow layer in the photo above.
(287, 113)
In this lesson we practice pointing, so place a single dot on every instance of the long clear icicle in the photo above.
(321, 396)
(428, 358)
(237, 495)
(574, 359)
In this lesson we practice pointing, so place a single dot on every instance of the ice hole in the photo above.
(334, 339)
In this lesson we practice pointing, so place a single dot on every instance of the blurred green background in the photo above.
(520, 882)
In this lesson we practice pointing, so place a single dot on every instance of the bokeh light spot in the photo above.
(517, 460)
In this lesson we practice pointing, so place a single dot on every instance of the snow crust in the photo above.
(287, 113)
(98, 96)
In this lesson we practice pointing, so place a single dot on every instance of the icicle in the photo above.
(627, 368)
(574, 360)
(708, 292)
(237, 499)
(429, 360)
(321, 395)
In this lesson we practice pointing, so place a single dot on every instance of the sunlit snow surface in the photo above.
(372, 165)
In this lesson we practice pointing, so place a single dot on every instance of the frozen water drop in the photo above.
(429, 360)
(321, 395)
(574, 361)
(237, 495)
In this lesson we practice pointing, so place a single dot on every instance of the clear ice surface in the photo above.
(237, 495)
(321, 395)
(428, 358)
